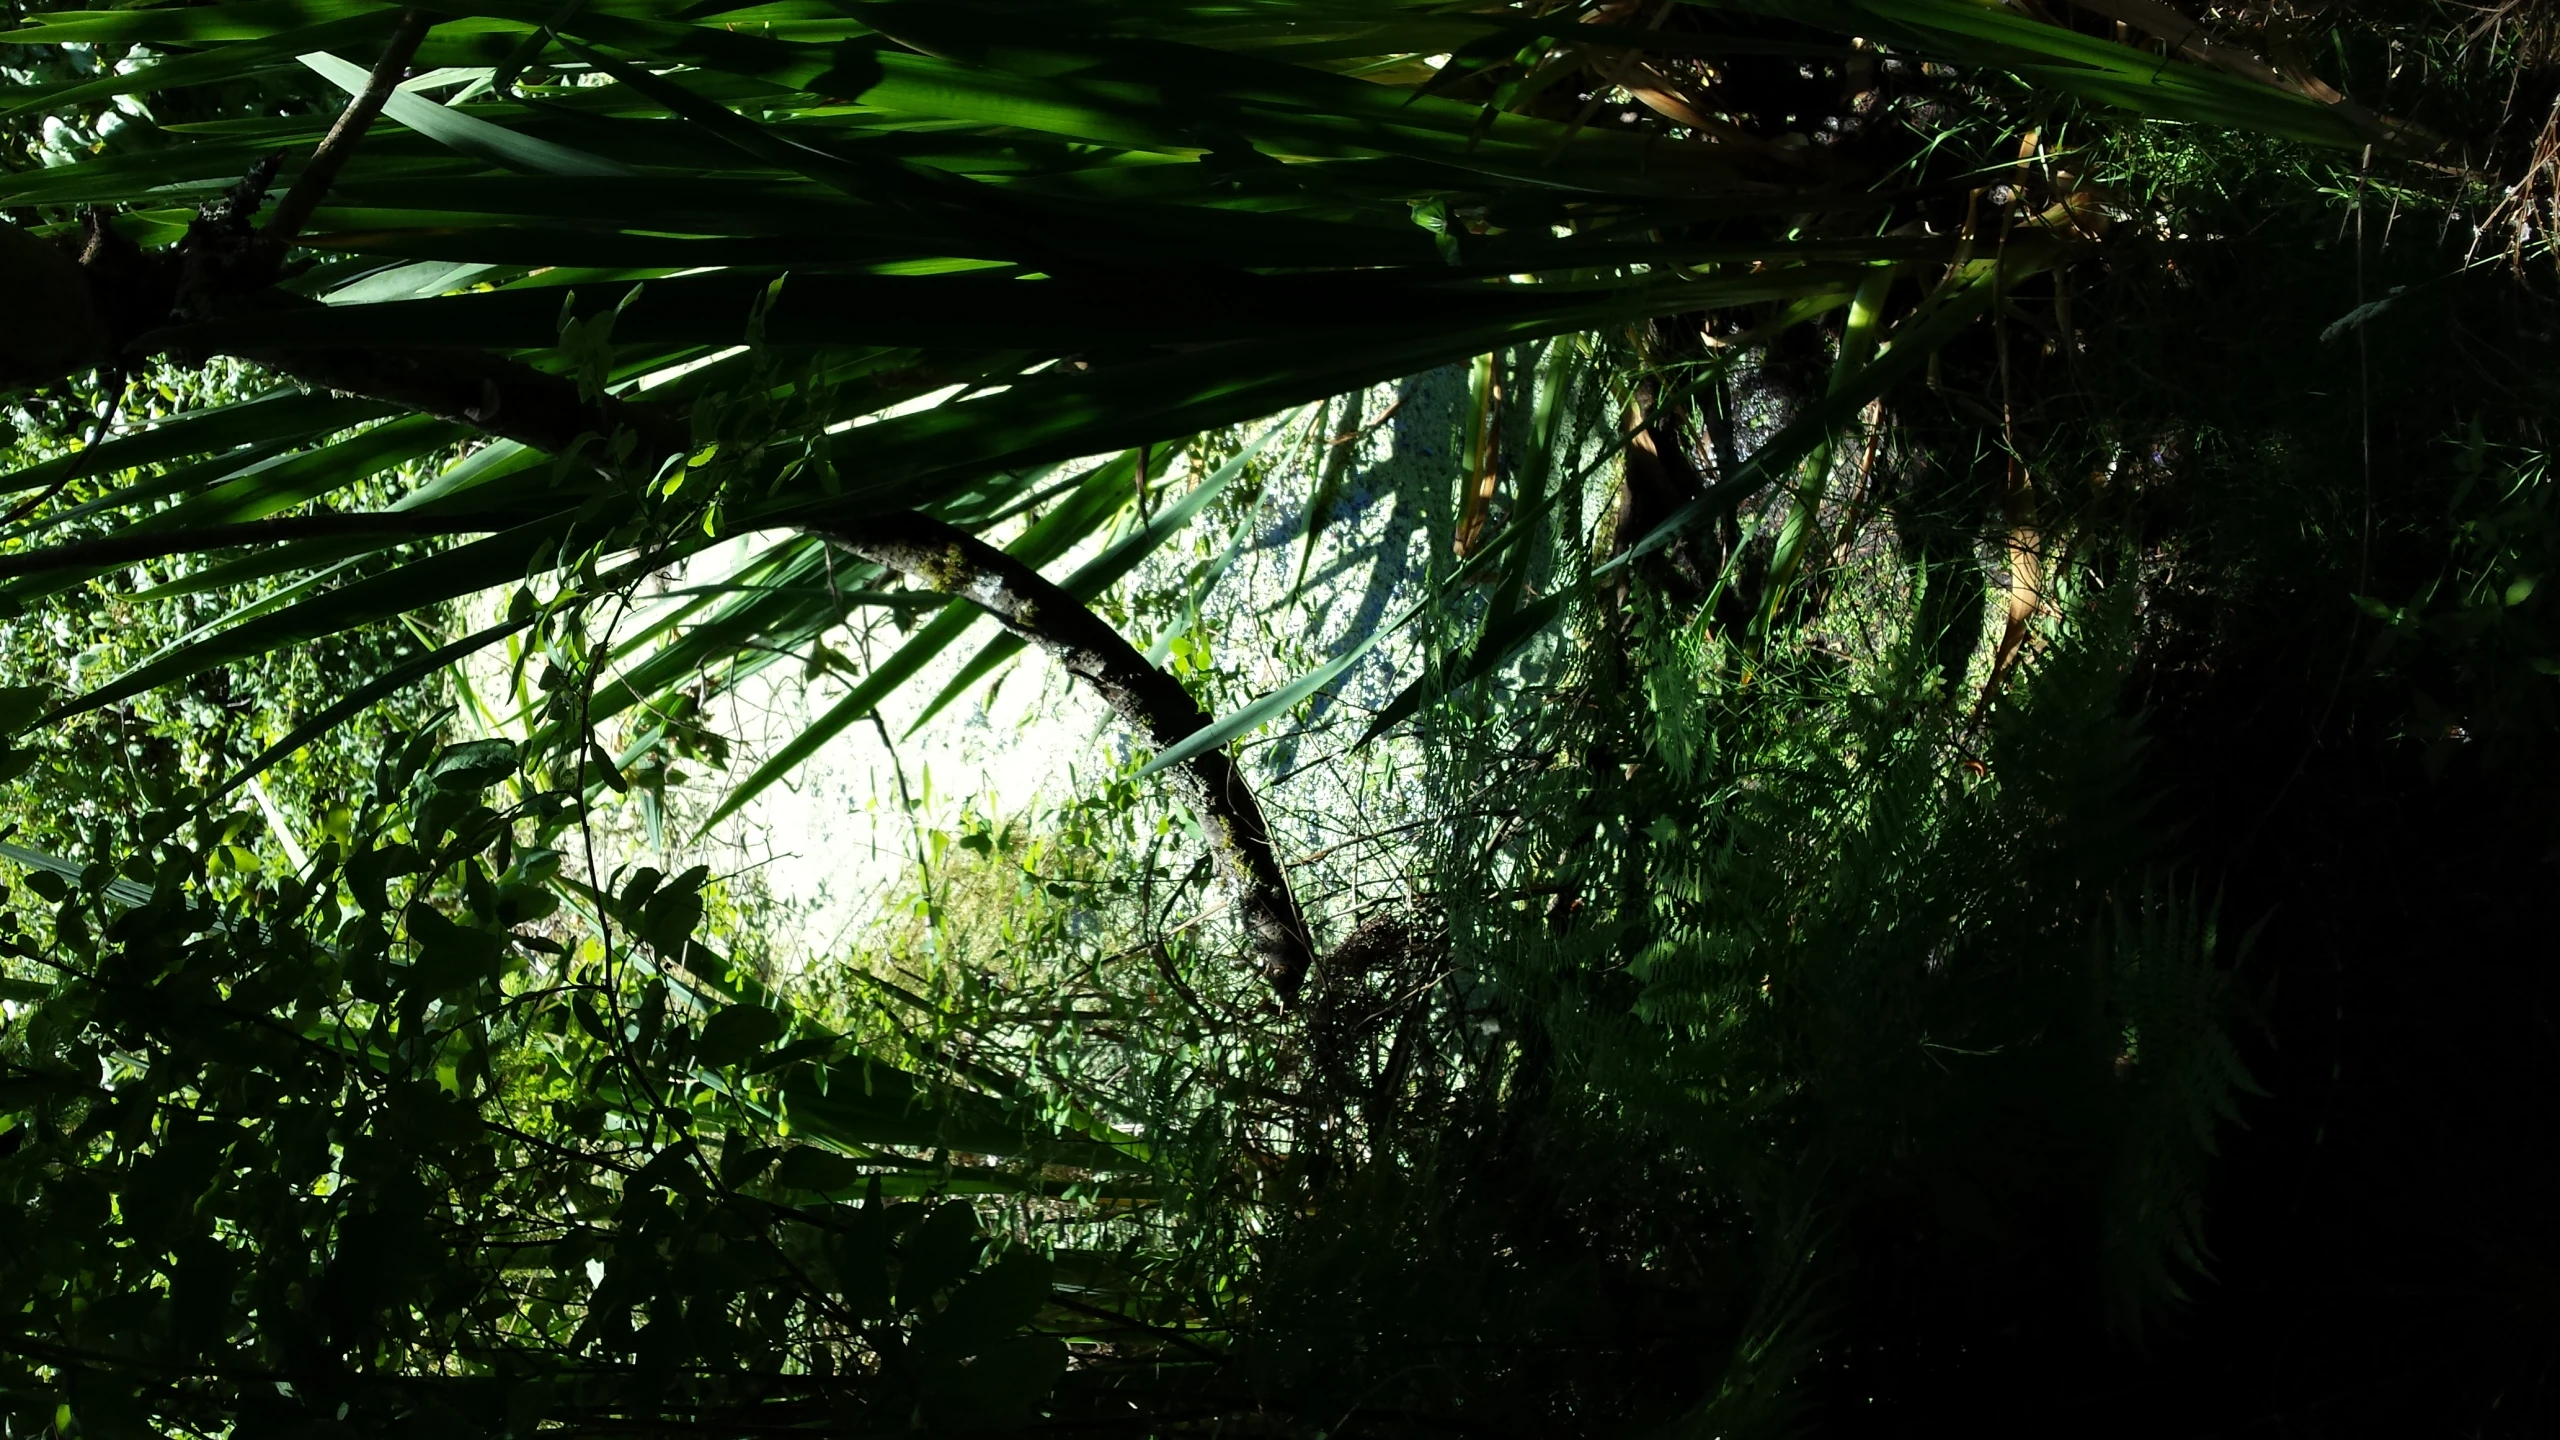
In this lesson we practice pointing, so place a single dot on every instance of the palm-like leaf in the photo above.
(1115, 223)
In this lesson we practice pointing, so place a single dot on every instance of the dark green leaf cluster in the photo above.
(1059, 230)
(386, 1145)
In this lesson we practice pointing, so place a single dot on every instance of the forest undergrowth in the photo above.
(1983, 768)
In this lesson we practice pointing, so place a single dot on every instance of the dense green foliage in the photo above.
(1908, 446)
(459, 1154)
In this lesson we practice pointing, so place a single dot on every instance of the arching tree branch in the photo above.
(116, 300)
(960, 564)
(321, 171)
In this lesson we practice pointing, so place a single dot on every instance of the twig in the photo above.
(115, 403)
(321, 171)
(1173, 977)
(1347, 436)
(906, 799)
